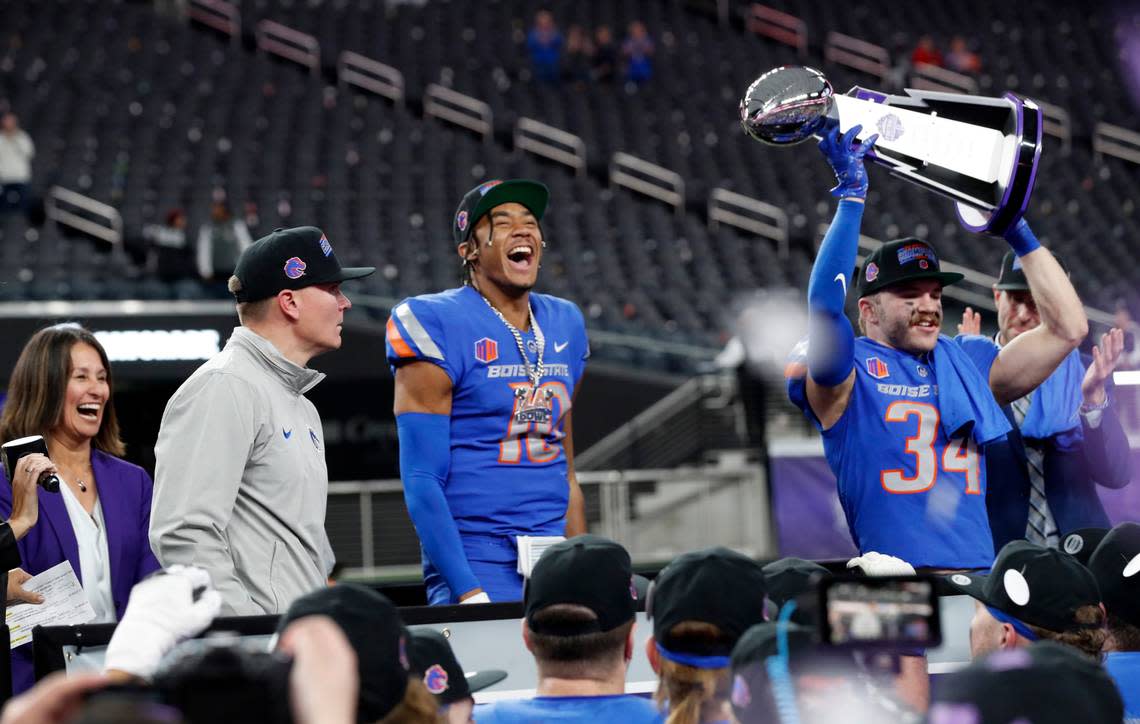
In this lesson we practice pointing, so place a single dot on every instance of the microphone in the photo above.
(11, 452)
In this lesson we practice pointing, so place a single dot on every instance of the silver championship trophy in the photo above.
(980, 152)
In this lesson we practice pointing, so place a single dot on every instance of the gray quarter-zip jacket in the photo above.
(240, 484)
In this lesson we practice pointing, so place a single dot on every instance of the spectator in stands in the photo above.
(700, 606)
(926, 52)
(1066, 439)
(580, 604)
(604, 55)
(961, 58)
(434, 662)
(390, 691)
(221, 242)
(1033, 593)
(576, 63)
(16, 153)
(240, 478)
(638, 53)
(168, 254)
(544, 43)
(823, 683)
(1116, 566)
(62, 388)
(1044, 683)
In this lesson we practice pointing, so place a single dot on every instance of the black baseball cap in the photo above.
(1039, 586)
(788, 578)
(373, 627)
(586, 570)
(290, 259)
(1116, 566)
(1081, 543)
(714, 585)
(902, 260)
(432, 658)
(480, 200)
(1012, 276)
(1044, 683)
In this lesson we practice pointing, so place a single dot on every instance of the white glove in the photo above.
(880, 564)
(477, 598)
(161, 613)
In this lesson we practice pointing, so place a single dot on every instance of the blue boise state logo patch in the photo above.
(435, 679)
(488, 186)
(326, 247)
(295, 268)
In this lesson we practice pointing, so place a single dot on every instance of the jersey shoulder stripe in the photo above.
(419, 335)
(396, 340)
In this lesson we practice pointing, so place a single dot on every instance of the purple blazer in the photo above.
(124, 493)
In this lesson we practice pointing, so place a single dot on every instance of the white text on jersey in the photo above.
(904, 390)
(554, 370)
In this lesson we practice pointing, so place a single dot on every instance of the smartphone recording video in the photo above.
(894, 612)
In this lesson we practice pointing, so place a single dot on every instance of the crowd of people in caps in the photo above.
(1055, 638)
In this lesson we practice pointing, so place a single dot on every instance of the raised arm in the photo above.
(831, 341)
(1031, 357)
(423, 421)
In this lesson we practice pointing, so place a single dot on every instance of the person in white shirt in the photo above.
(16, 152)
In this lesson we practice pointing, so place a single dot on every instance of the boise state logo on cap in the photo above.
(488, 186)
(326, 247)
(461, 220)
(435, 679)
(920, 252)
(295, 268)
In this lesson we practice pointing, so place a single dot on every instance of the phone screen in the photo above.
(892, 612)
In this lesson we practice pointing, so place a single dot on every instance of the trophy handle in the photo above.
(1023, 174)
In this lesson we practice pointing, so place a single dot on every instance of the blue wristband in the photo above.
(1021, 238)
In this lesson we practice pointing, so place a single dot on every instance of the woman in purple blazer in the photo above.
(99, 520)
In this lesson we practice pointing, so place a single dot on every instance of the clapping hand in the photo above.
(1106, 356)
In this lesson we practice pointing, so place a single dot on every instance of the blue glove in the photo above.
(846, 158)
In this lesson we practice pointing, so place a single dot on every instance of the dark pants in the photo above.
(15, 197)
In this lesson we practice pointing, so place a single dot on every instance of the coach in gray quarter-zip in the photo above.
(240, 480)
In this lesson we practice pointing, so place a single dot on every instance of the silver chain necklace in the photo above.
(533, 373)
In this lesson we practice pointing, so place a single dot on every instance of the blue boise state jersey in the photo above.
(507, 476)
(907, 489)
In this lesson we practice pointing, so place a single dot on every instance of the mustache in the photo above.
(920, 317)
